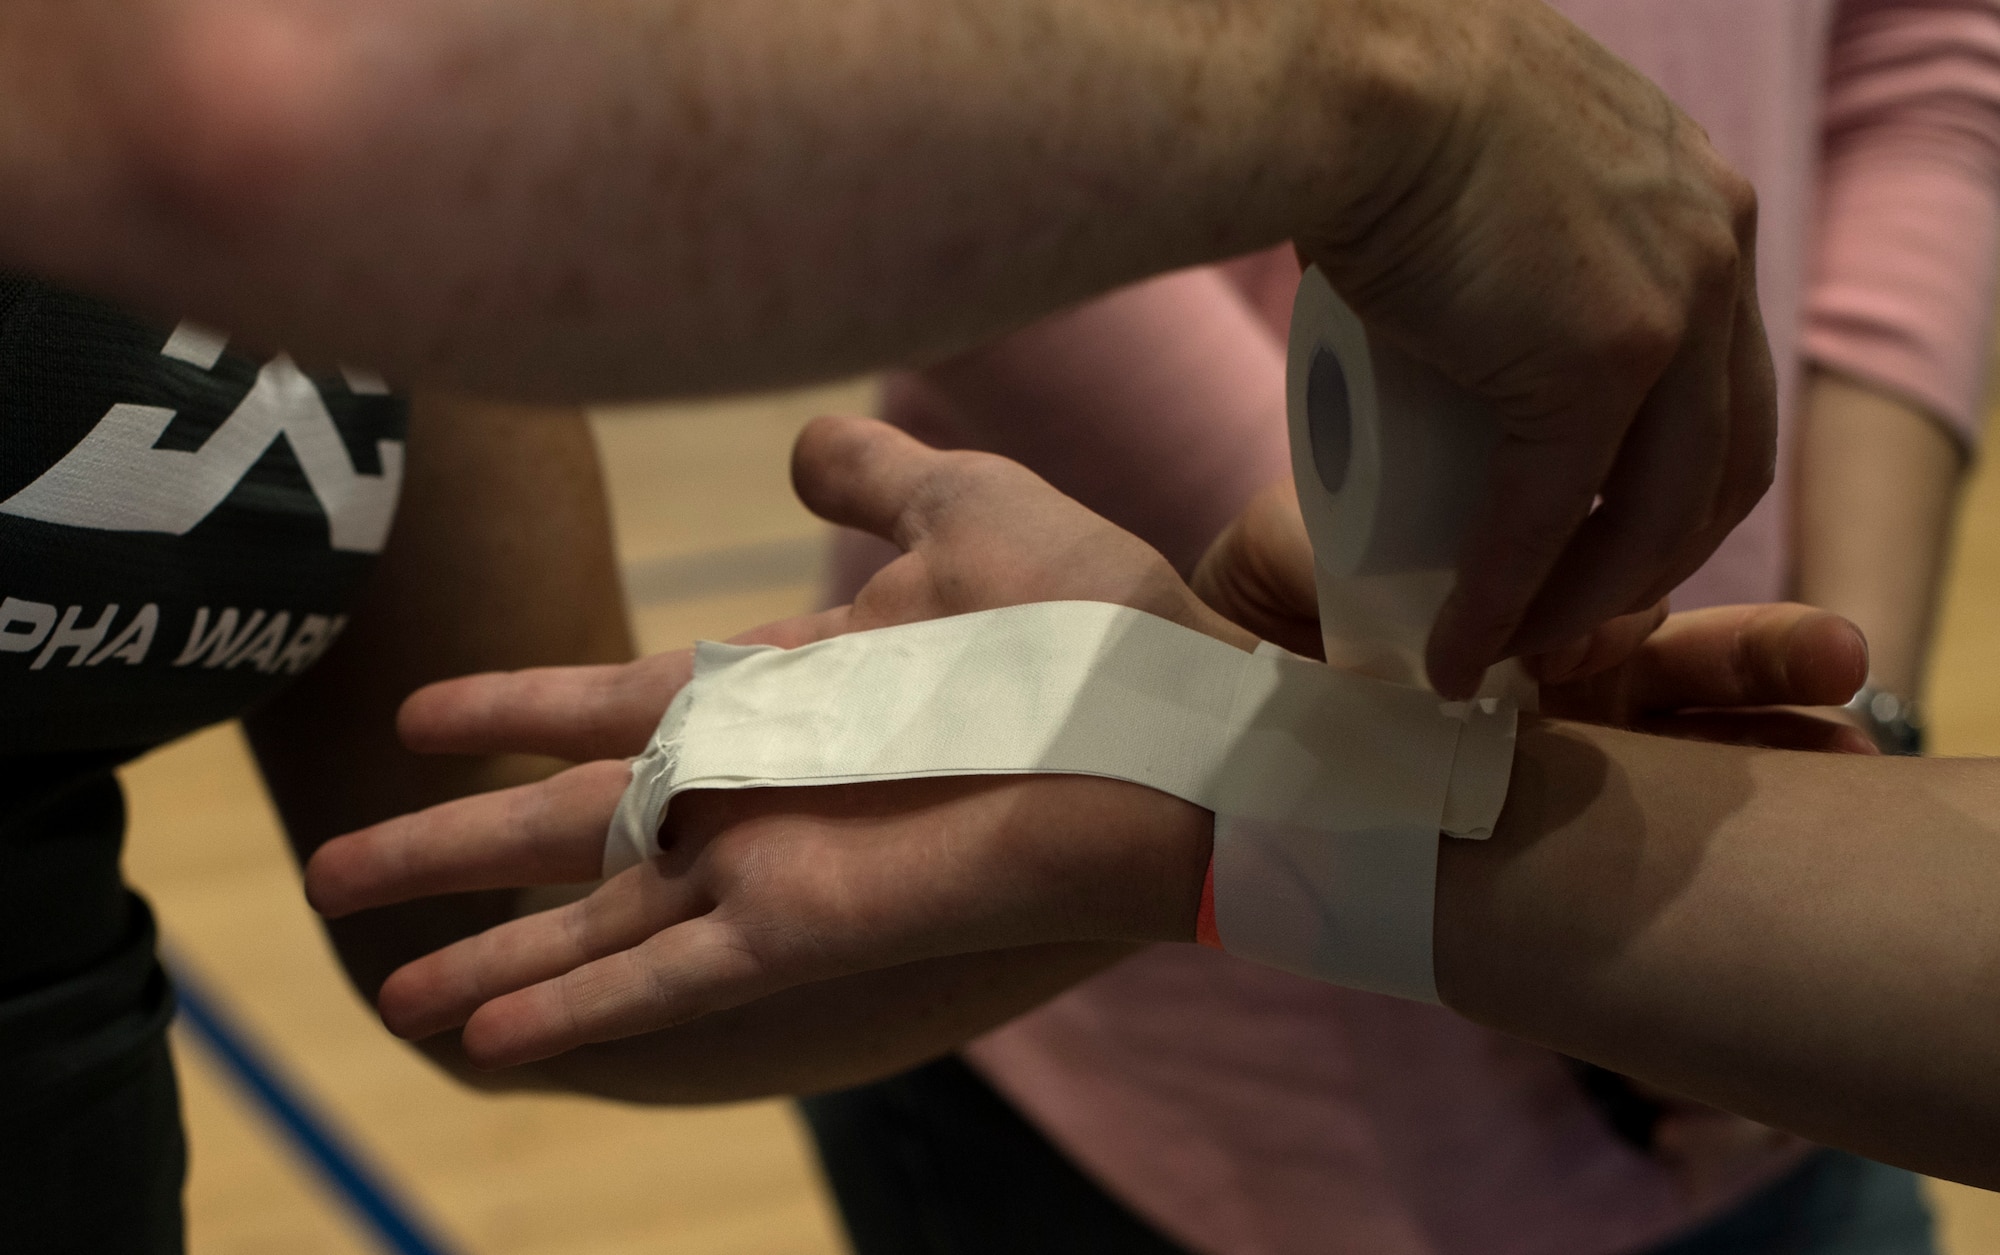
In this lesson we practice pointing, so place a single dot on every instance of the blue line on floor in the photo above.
(363, 1187)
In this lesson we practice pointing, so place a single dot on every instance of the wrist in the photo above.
(1180, 875)
(1313, 118)
(1392, 85)
(1093, 859)
(1164, 869)
(1516, 912)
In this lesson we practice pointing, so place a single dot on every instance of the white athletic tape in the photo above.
(1075, 688)
(1389, 459)
(1330, 787)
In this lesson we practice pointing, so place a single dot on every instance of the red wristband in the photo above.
(1204, 916)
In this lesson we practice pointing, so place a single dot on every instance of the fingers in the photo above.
(1538, 493)
(1692, 463)
(1750, 464)
(864, 474)
(550, 832)
(574, 713)
(1725, 656)
(1694, 443)
(1607, 647)
(1753, 391)
(1658, 498)
(671, 978)
(444, 988)
(1657, 521)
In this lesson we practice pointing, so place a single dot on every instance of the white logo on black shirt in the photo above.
(115, 480)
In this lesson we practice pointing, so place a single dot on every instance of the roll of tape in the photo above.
(1390, 460)
(1330, 786)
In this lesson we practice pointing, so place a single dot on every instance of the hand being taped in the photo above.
(765, 889)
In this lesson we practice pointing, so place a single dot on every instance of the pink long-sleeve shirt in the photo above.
(1247, 1112)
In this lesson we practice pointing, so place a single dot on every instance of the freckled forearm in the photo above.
(673, 195)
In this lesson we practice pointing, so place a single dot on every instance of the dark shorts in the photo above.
(91, 1153)
(936, 1162)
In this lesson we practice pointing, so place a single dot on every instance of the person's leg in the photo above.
(92, 1158)
(1833, 1204)
(98, 1169)
(936, 1162)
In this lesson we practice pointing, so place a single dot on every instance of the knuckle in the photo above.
(955, 487)
(1747, 485)
(666, 995)
(1737, 194)
(577, 925)
(1720, 251)
(1643, 340)
(963, 472)
(1741, 197)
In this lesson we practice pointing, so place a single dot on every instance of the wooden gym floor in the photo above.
(713, 542)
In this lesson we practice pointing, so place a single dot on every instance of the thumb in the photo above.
(1259, 573)
(864, 474)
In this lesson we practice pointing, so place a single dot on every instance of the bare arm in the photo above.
(674, 195)
(1897, 323)
(1878, 488)
(689, 194)
(570, 197)
(685, 195)
(1806, 939)
(1798, 937)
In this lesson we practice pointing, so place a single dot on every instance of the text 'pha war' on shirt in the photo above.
(224, 639)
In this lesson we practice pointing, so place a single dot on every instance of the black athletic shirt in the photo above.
(182, 528)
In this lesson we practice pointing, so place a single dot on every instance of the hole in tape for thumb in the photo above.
(1329, 418)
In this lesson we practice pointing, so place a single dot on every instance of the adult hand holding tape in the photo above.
(1329, 785)
(1230, 733)
(772, 888)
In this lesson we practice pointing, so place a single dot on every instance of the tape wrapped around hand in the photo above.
(1330, 785)
(1389, 458)
(1084, 688)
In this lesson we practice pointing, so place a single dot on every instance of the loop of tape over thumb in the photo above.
(1330, 784)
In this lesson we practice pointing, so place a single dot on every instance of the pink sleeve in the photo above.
(1909, 202)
